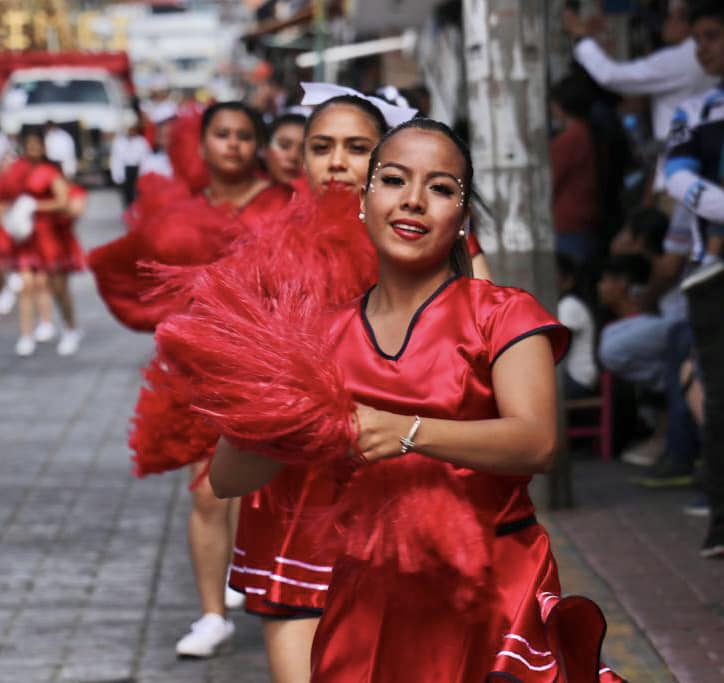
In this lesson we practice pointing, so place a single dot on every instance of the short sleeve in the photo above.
(520, 316)
(473, 245)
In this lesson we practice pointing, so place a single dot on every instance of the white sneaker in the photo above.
(644, 453)
(7, 300)
(15, 282)
(69, 342)
(233, 599)
(44, 332)
(206, 635)
(25, 346)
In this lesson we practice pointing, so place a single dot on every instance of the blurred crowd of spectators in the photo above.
(637, 158)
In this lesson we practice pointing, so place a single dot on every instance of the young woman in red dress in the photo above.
(445, 575)
(49, 253)
(275, 564)
(284, 155)
(195, 231)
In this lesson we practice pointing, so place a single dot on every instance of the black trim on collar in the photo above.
(530, 333)
(502, 674)
(412, 323)
(507, 528)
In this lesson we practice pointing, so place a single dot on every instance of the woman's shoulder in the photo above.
(487, 296)
(504, 315)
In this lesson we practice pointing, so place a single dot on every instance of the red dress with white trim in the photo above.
(51, 248)
(445, 573)
(281, 561)
(278, 563)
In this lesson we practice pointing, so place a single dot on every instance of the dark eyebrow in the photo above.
(354, 138)
(430, 175)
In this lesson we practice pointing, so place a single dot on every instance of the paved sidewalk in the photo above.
(95, 585)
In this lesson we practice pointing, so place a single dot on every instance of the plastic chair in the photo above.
(601, 406)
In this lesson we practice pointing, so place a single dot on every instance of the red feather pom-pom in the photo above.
(252, 343)
(412, 516)
(184, 151)
(257, 368)
(154, 194)
(166, 433)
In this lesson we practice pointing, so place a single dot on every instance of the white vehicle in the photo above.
(90, 103)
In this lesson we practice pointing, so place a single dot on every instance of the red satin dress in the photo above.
(52, 247)
(400, 613)
(281, 561)
(188, 232)
(285, 571)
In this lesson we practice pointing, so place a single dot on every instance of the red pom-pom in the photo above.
(184, 152)
(412, 516)
(188, 233)
(257, 367)
(166, 433)
(154, 194)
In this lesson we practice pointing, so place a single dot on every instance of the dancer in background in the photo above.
(73, 259)
(285, 152)
(41, 194)
(195, 230)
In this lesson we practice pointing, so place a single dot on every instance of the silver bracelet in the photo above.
(408, 442)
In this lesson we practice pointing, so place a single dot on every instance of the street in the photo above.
(96, 587)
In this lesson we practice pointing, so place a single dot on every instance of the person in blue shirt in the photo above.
(695, 176)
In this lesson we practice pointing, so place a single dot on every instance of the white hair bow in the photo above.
(316, 93)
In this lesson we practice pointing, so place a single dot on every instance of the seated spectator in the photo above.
(676, 435)
(666, 242)
(634, 345)
(580, 374)
(573, 163)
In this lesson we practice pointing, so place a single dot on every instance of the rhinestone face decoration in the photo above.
(374, 176)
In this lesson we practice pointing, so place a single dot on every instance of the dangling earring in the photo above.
(464, 228)
(362, 216)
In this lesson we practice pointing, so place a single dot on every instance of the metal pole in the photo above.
(506, 75)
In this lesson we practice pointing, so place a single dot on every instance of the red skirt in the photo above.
(375, 632)
(52, 248)
(280, 562)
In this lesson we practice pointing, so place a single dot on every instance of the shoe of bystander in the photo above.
(698, 507)
(665, 473)
(713, 547)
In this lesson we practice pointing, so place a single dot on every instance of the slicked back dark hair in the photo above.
(365, 106)
(459, 257)
(705, 9)
(234, 105)
(286, 120)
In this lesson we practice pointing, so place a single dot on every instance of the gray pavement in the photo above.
(95, 585)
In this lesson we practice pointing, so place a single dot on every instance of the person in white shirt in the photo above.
(60, 148)
(128, 152)
(580, 369)
(158, 161)
(667, 76)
